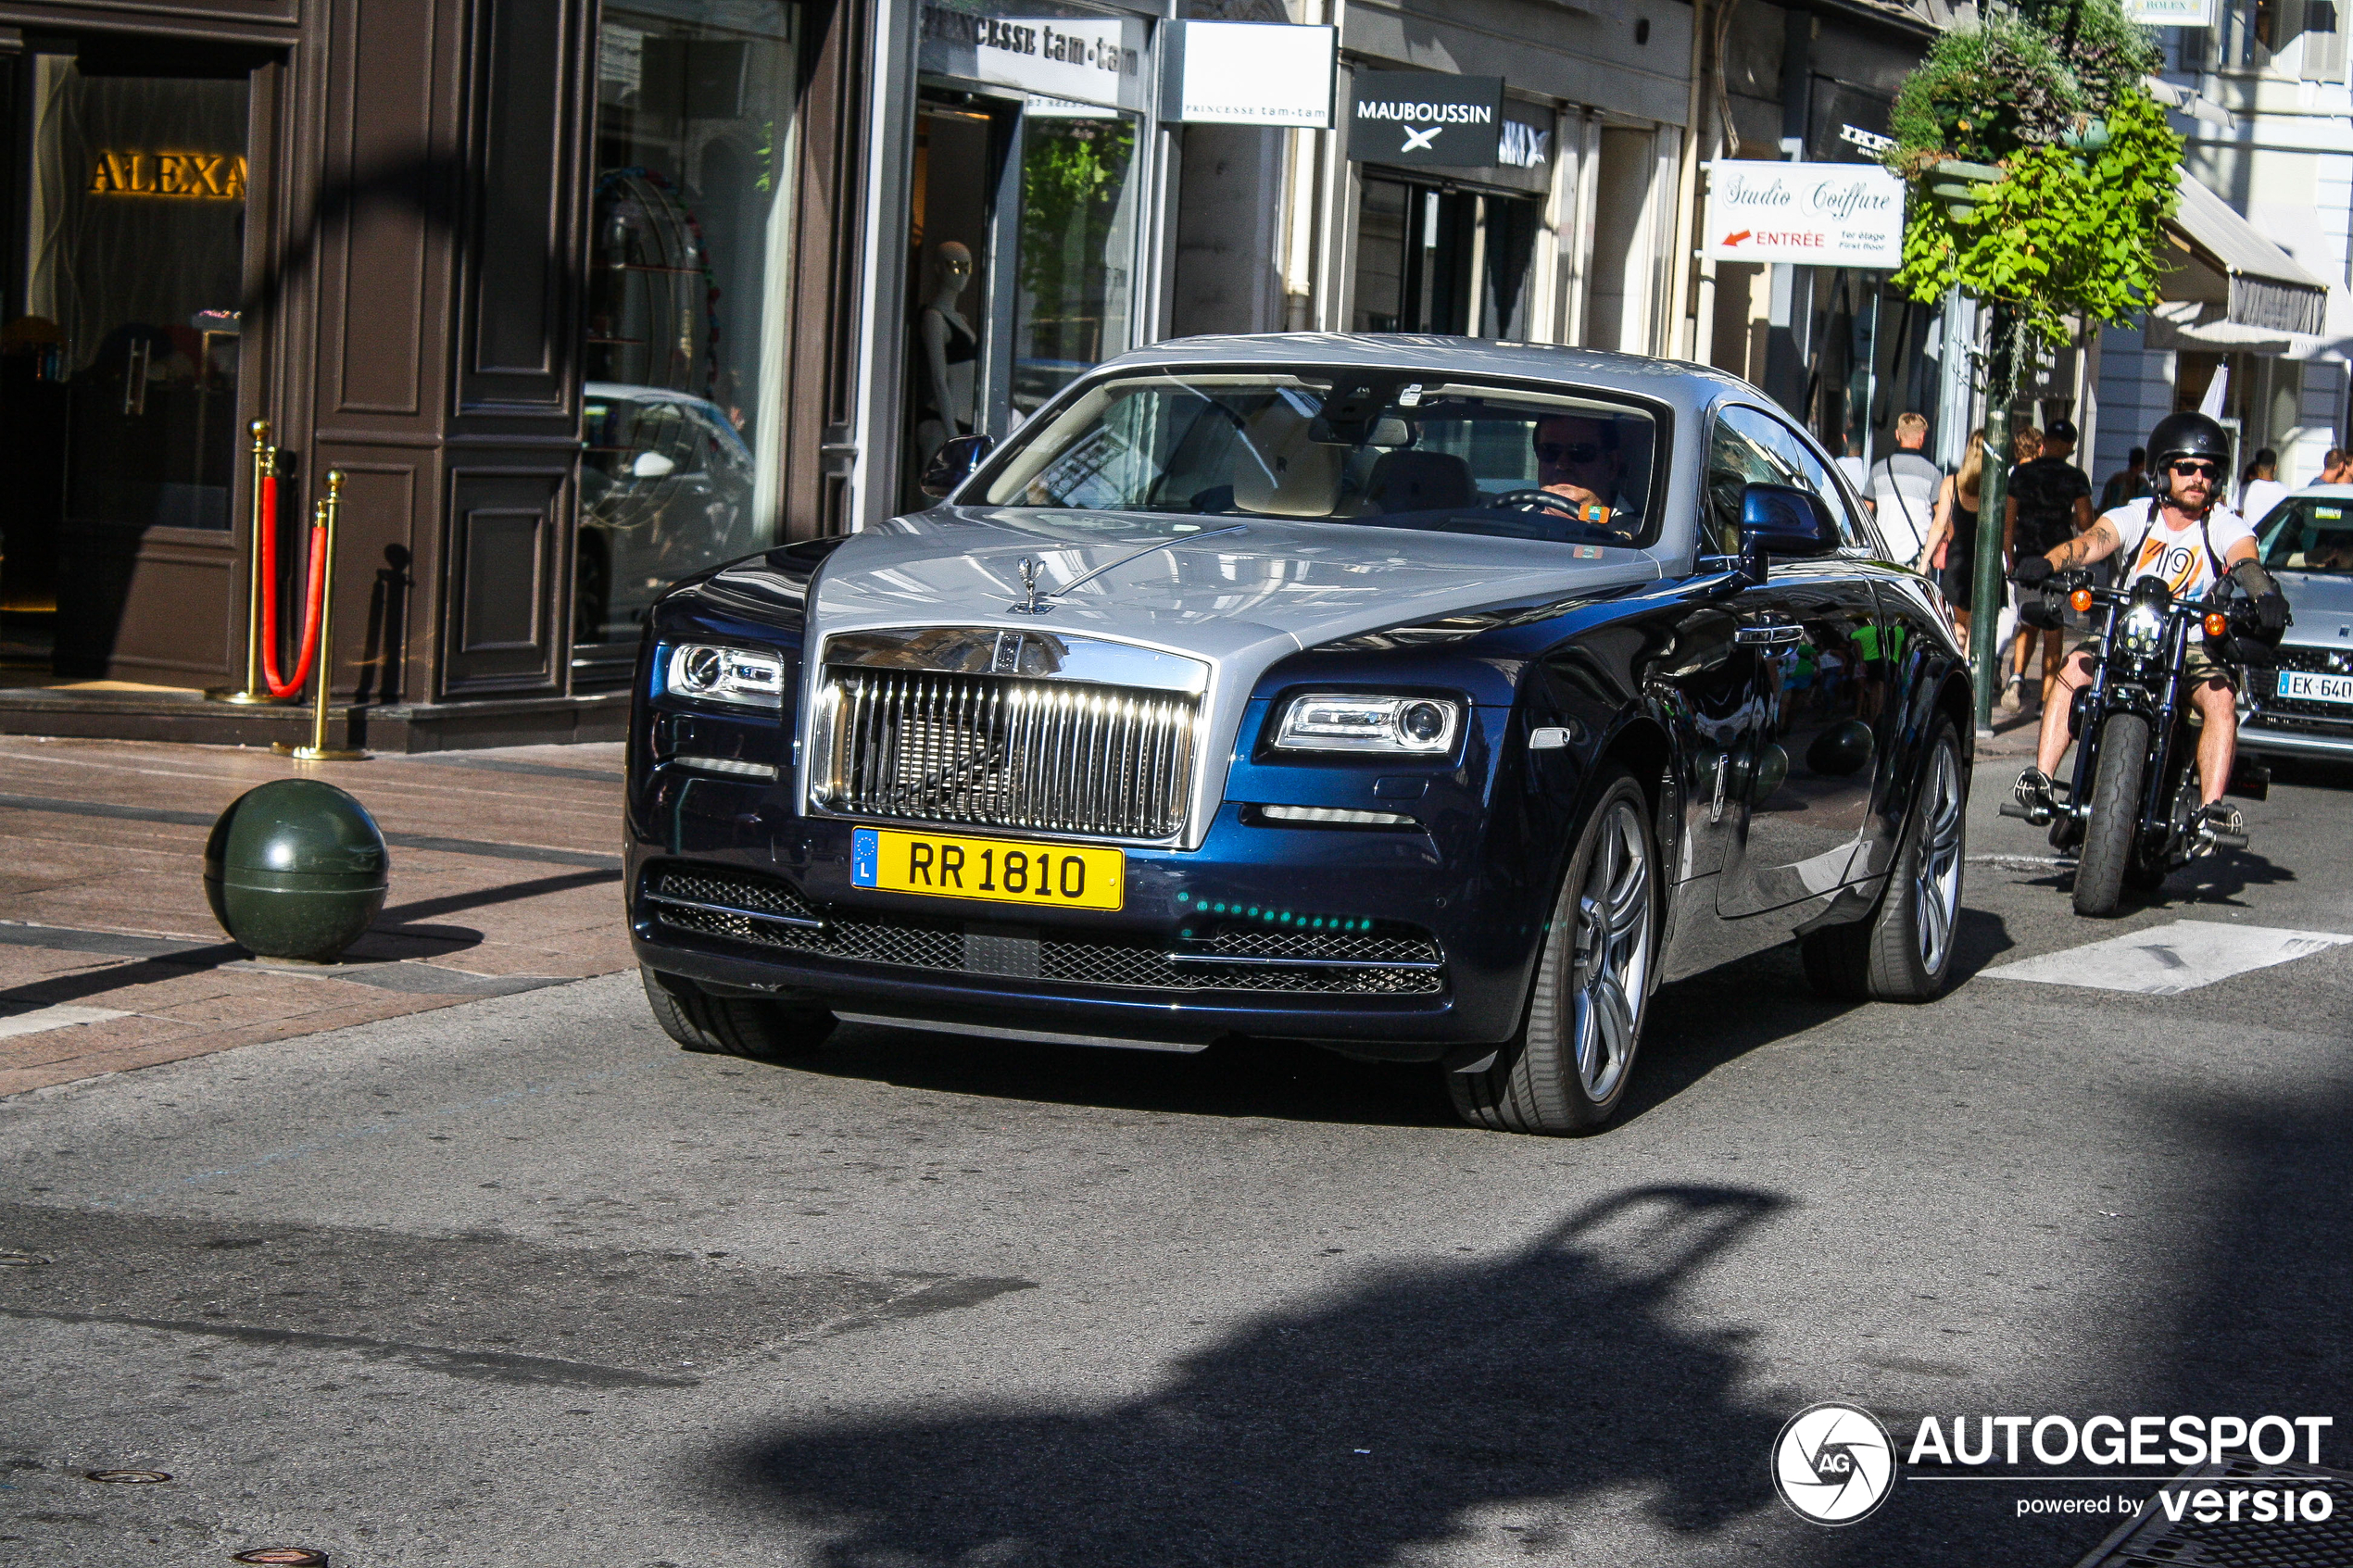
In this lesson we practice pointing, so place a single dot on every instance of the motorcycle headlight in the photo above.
(1414, 726)
(737, 677)
(2144, 629)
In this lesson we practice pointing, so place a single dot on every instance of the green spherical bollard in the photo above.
(295, 869)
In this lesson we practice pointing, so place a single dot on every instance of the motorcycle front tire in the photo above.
(2112, 835)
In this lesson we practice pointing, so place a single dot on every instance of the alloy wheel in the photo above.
(1613, 951)
(1936, 884)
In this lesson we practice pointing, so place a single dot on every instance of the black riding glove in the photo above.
(2272, 613)
(2031, 571)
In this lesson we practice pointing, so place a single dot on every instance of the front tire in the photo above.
(1903, 951)
(1567, 1069)
(2110, 838)
(754, 1027)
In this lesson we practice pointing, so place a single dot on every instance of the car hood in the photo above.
(2324, 606)
(1214, 595)
(1237, 602)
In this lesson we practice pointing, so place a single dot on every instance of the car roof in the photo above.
(1671, 381)
(2337, 491)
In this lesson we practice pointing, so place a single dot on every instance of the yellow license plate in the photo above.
(999, 871)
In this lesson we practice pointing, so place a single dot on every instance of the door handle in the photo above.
(1768, 637)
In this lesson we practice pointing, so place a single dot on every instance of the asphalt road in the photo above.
(517, 1283)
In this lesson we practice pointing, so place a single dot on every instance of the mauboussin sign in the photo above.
(1817, 214)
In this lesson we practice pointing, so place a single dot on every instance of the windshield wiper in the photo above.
(1034, 602)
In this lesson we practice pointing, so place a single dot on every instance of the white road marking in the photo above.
(32, 1021)
(2167, 960)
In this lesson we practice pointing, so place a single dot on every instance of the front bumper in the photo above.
(1438, 970)
(2309, 738)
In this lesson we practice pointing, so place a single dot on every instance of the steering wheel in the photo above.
(1551, 500)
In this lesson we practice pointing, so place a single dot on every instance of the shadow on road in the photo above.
(1348, 1431)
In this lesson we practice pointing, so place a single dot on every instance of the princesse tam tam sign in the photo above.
(1818, 214)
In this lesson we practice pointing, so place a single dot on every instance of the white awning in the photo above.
(2234, 274)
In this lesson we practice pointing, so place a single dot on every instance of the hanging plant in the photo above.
(2050, 101)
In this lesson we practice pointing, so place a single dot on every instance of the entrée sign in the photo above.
(202, 176)
(1818, 214)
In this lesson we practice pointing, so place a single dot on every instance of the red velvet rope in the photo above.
(312, 599)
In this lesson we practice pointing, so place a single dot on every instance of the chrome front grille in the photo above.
(997, 751)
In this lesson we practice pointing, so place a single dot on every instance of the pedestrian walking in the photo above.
(2132, 484)
(2050, 503)
(1904, 490)
(1949, 556)
(2263, 490)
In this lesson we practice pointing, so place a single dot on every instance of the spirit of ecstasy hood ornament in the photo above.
(1035, 603)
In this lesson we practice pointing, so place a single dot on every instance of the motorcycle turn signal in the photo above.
(2217, 623)
(2082, 601)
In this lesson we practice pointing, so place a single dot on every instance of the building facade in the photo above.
(2258, 296)
(580, 299)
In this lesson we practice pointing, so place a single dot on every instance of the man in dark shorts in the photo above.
(2050, 503)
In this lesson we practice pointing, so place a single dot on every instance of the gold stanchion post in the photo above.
(253, 692)
(322, 678)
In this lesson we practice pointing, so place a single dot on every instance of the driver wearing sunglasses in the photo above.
(1578, 459)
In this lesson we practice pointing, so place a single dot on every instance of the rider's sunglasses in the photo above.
(1568, 451)
(2186, 469)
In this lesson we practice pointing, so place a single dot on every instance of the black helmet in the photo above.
(2188, 435)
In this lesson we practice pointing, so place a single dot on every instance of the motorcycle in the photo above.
(2132, 807)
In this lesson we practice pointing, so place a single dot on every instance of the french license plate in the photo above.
(2311, 687)
(997, 871)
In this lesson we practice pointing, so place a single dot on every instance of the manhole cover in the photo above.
(126, 1477)
(295, 1556)
(2157, 1539)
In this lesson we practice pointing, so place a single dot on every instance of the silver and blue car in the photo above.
(2307, 709)
(1426, 698)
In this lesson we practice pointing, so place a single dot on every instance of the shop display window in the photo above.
(683, 421)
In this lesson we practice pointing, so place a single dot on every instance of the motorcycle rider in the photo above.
(2184, 536)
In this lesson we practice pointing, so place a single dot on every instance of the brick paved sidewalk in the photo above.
(506, 875)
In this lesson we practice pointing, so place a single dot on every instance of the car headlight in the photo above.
(737, 677)
(2144, 628)
(1414, 726)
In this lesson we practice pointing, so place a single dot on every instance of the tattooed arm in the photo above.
(2099, 542)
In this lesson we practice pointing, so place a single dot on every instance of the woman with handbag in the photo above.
(1949, 558)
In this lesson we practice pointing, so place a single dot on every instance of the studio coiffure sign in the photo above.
(1425, 117)
(1817, 214)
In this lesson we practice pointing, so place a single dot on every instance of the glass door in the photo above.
(1021, 275)
(682, 412)
(119, 358)
(1074, 283)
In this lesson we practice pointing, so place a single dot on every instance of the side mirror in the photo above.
(1781, 520)
(653, 465)
(953, 464)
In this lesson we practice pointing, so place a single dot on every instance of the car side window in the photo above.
(1735, 461)
(1805, 469)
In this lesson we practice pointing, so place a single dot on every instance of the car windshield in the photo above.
(1378, 449)
(2310, 533)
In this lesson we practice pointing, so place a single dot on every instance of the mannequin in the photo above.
(952, 352)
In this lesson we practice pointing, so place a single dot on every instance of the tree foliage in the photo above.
(2051, 95)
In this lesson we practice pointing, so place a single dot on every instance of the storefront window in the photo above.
(1075, 275)
(1435, 261)
(682, 414)
(118, 355)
